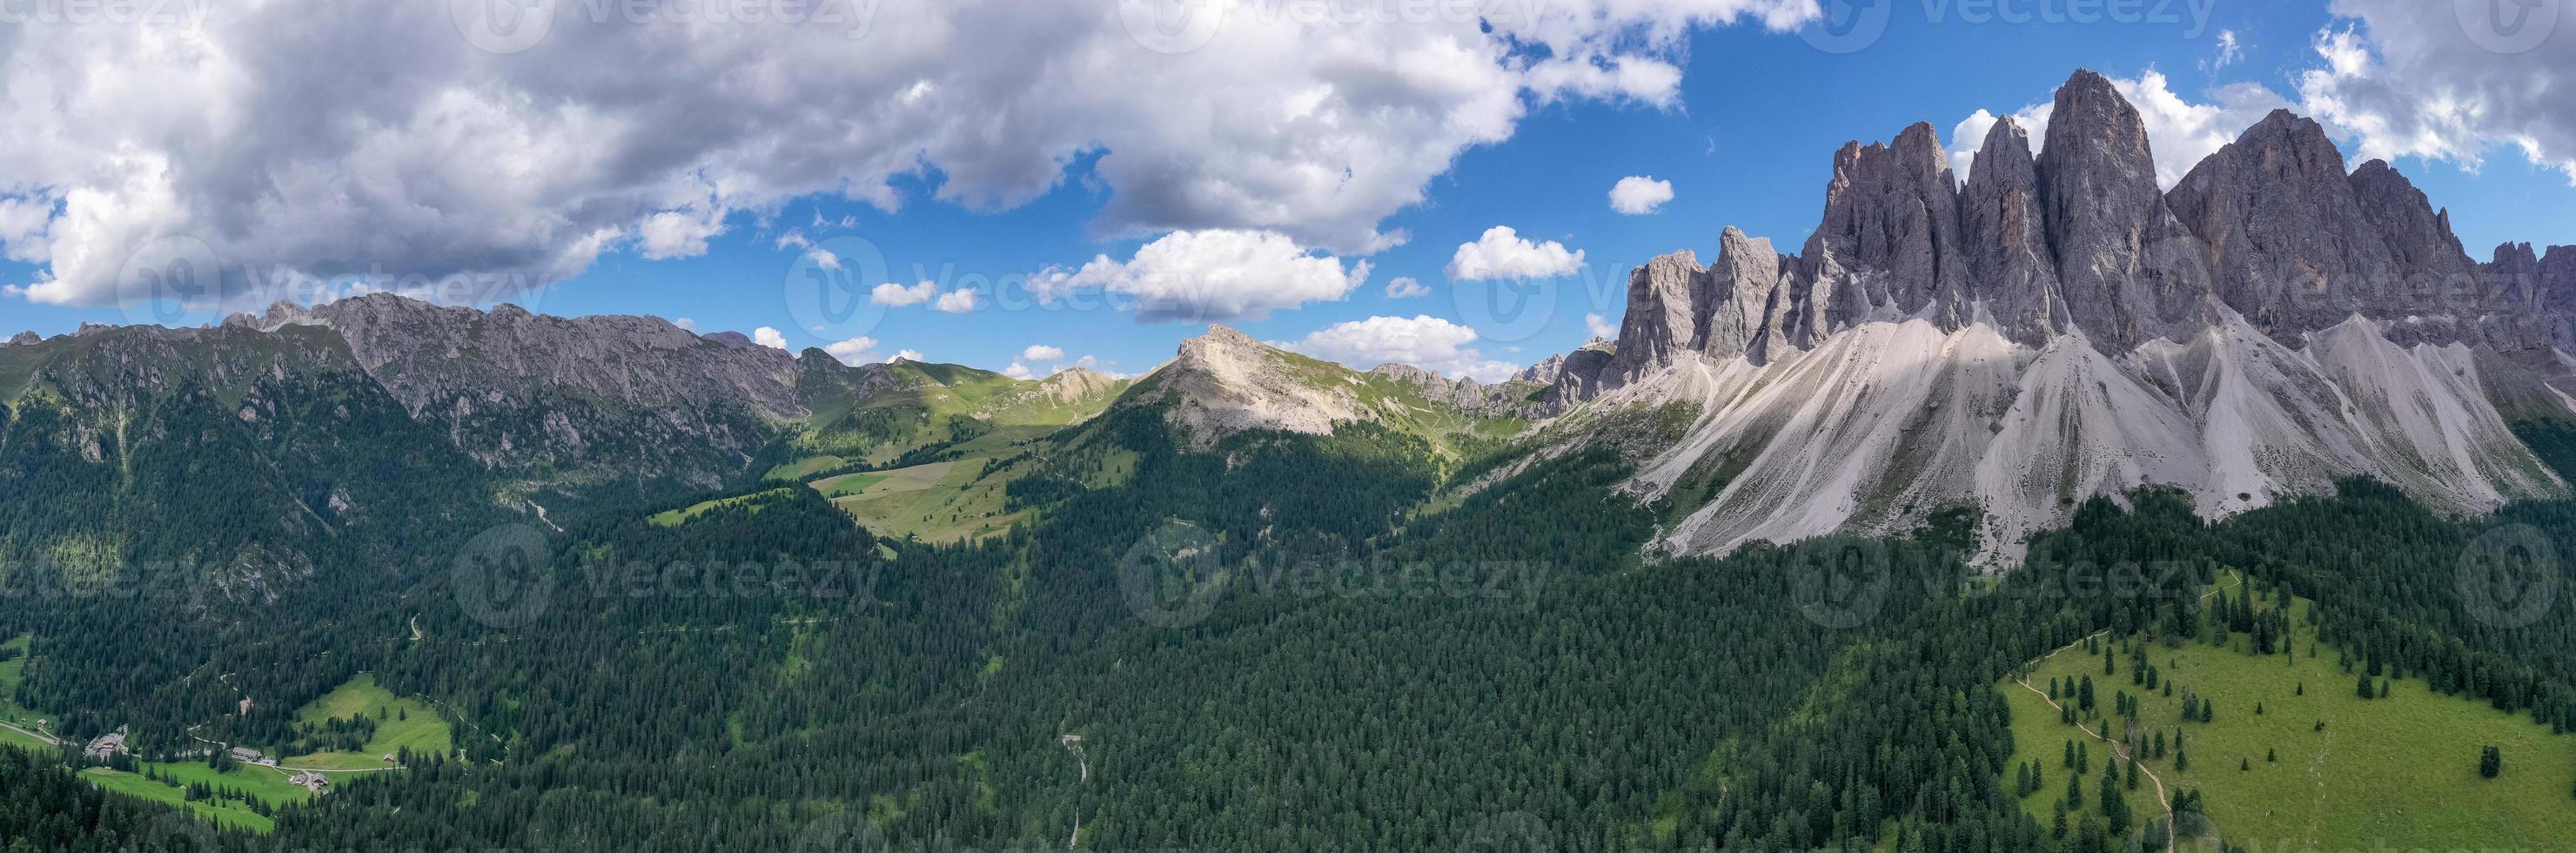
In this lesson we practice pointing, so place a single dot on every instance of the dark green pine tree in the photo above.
(2115, 808)
(2490, 763)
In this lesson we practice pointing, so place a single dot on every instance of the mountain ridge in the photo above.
(2055, 327)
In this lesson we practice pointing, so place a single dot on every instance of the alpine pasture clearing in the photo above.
(2399, 772)
(401, 723)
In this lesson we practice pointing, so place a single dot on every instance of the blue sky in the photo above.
(1748, 143)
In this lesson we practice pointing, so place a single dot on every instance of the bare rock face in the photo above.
(2284, 231)
(1515, 397)
(1740, 317)
(2554, 277)
(2130, 270)
(2534, 295)
(526, 392)
(1224, 382)
(25, 339)
(1074, 385)
(1888, 245)
(2006, 240)
(2419, 238)
(1663, 312)
(1575, 376)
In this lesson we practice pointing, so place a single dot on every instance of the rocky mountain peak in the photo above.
(1224, 382)
(2127, 267)
(2079, 237)
(24, 339)
(1664, 299)
(1740, 315)
(2006, 240)
(1888, 244)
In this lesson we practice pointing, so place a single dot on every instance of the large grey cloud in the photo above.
(2450, 79)
(289, 138)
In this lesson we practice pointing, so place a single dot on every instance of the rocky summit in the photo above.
(2055, 326)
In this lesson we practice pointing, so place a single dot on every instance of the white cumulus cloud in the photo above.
(854, 351)
(1404, 287)
(1211, 276)
(405, 136)
(1502, 254)
(1640, 195)
(895, 295)
(1042, 352)
(1422, 341)
(769, 337)
(956, 301)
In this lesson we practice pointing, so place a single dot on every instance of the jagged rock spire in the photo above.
(2001, 230)
(1742, 315)
(2128, 268)
(1664, 299)
(1888, 245)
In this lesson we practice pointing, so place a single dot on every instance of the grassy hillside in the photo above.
(677, 517)
(2317, 767)
(931, 406)
(400, 724)
(230, 804)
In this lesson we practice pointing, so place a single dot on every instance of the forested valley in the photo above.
(1289, 643)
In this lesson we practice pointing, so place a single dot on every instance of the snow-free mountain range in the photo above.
(2055, 326)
